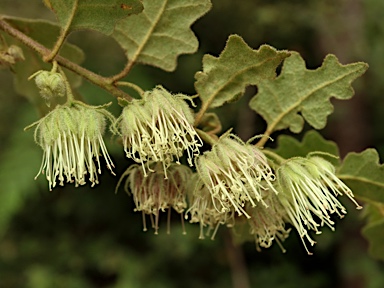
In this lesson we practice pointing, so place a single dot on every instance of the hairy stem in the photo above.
(206, 137)
(130, 85)
(64, 62)
(265, 137)
(201, 113)
(63, 35)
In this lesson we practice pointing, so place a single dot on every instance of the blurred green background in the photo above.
(87, 237)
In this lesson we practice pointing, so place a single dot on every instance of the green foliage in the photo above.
(99, 15)
(161, 32)
(224, 78)
(45, 33)
(298, 90)
(363, 173)
(373, 230)
(288, 147)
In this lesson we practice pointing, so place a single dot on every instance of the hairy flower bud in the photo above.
(50, 84)
(10, 55)
(158, 128)
(71, 137)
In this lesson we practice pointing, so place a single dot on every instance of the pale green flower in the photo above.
(158, 128)
(268, 223)
(71, 138)
(153, 193)
(309, 188)
(206, 210)
(235, 173)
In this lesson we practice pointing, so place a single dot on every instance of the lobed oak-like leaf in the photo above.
(298, 93)
(99, 15)
(161, 32)
(45, 33)
(373, 230)
(313, 141)
(363, 173)
(224, 78)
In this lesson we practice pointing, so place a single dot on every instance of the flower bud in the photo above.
(50, 84)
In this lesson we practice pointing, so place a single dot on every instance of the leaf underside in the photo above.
(363, 173)
(298, 93)
(225, 78)
(99, 15)
(288, 146)
(161, 33)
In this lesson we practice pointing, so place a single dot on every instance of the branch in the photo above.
(100, 81)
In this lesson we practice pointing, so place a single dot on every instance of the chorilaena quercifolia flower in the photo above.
(309, 187)
(71, 138)
(206, 210)
(158, 128)
(235, 173)
(153, 193)
(267, 223)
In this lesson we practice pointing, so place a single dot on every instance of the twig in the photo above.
(44, 52)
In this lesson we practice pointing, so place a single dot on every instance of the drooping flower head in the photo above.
(235, 173)
(153, 193)
(309, 188)
(158, 128)
(71, 138)
(205, 209)
(268, 223)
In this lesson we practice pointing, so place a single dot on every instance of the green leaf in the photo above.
(45, 33)
(161, 32)
(288, 147)
(99, 15)
(224, 78)
(19, 164)
(363, 173)
(298, 94)
(373, 231)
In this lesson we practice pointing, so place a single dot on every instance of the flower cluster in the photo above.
(158, 128)
(234, 181)
(236, 177)
(235, 173)
(71, 137)
(205, 210)
(153, 193)
(309, 188)
(267, 223)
